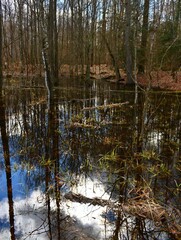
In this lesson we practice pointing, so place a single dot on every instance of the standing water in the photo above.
(90, 164)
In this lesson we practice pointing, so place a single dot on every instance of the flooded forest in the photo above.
(90, 120)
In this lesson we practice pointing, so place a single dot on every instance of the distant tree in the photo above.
(21, 33)
(1, 19)
(103, 32)
(128, 52)
(53, 39)
(93, 31)
(144, 37)
(83, 33)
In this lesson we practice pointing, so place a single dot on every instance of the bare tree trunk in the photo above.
(81, 32)
(53, 39)
(1, 70)
(54, 126)
(87, 44)
(93, 31)
(21, 33)
(127, 42)
(45, 46)
(114, 62)
(141, 66)
(56, 55)
(103, 33)
(177, 17)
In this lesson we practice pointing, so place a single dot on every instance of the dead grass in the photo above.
(162, 79)
(156, 79)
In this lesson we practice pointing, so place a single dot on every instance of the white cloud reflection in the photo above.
(31, 216)
(89, 216)
(28, 217)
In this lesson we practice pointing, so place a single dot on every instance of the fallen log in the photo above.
(108, 106)
(168, 218)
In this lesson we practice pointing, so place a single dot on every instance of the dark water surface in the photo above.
(96, 139)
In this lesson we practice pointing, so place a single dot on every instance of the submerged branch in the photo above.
(82, 199)
(83, 125)
(168, 218)
(109, 106)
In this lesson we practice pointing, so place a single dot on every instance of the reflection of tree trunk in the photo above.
(138, 147)
(122, 195)
(55, 157)
(52, 160)
(57, 196)
(47, 181)
(119, 212)
(48, 167)
(5, 144)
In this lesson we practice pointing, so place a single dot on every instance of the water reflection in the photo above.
(95, 141)
(7, 164)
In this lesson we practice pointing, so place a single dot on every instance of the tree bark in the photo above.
(129, 70)
(1, 19)
(114, 62)
(142, 63)
(53, 39)
(21, 34)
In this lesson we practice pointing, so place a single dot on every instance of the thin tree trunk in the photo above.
(142, 63)
(114, 62)
(93, 31)
(45, 47)
(127, 43)
(56, 55)
(103, 32)
(21, 33)
(1, 75)
(53, 39)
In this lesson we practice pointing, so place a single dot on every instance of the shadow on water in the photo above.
(92, 163)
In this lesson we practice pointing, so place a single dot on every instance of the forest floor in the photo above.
(156, 79)
(163, 80)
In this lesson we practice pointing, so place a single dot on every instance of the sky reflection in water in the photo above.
(31, 215)
(80, 146)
